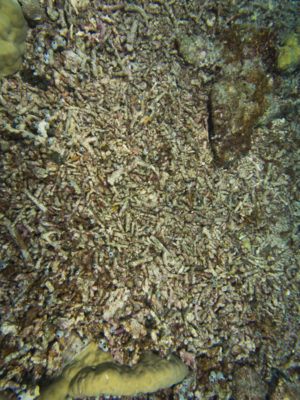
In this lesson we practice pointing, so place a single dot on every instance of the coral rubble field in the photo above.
(148, 196)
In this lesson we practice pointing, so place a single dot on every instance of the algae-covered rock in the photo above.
(13, 28)
(94, 372)
(238, 102)
(289, 55)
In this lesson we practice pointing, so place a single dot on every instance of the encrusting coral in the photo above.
(93, 372)
(13, 29)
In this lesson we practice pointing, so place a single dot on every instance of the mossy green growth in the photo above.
(13, 28)
(93, 372)
(289, 54)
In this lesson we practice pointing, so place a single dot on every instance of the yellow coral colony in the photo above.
(94, 372)
(13, 28)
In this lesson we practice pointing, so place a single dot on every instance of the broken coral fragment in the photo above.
(93, 372)
(199, 51)
(32, 9)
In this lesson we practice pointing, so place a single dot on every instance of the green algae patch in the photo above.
(93, 372)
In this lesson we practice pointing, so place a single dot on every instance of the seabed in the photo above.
(121, 222)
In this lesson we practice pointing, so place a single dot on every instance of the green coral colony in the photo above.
(289, 54)
(13, 29)
(93, 372)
